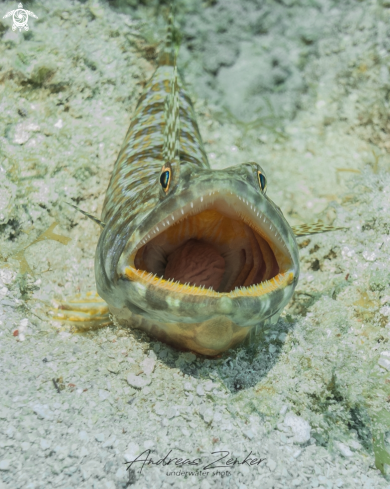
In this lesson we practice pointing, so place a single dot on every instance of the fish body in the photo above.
(196, 257)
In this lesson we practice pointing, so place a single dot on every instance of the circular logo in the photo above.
(20, 18)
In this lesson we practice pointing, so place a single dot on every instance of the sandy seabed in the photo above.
(303, 88)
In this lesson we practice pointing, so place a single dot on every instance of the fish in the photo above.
(196, 257)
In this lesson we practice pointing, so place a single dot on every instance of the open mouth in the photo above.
(215, 246)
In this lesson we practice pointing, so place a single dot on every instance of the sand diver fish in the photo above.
(196, 257)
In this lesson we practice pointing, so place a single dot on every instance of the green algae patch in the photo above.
(46, 235)
(381, 424)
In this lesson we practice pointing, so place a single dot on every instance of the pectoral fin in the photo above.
(84, 313)
(313, 228)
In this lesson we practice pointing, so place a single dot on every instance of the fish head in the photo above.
(212, 249)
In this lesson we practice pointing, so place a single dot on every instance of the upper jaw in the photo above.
(262, 216)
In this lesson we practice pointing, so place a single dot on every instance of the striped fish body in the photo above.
(141, 157)
(166, 209)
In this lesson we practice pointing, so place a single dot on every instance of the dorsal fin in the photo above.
(171, 146)
(167, 56)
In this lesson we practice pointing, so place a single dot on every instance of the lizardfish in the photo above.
(196, 257)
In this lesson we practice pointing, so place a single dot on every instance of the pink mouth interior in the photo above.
(209, 249)
(196, 262)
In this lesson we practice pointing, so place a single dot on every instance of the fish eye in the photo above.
(165, 179)
(262, 181)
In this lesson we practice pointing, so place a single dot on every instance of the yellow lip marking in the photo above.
(279, 282)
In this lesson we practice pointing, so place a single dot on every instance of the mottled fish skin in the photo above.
(135, 204)
(133, 191)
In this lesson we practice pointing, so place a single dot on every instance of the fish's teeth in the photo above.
(192, 204)
(158, 229)
(201, 199)
(182, 211)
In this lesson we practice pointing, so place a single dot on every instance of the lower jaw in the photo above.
(204, 325)
(210, 338)
(181, 294)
